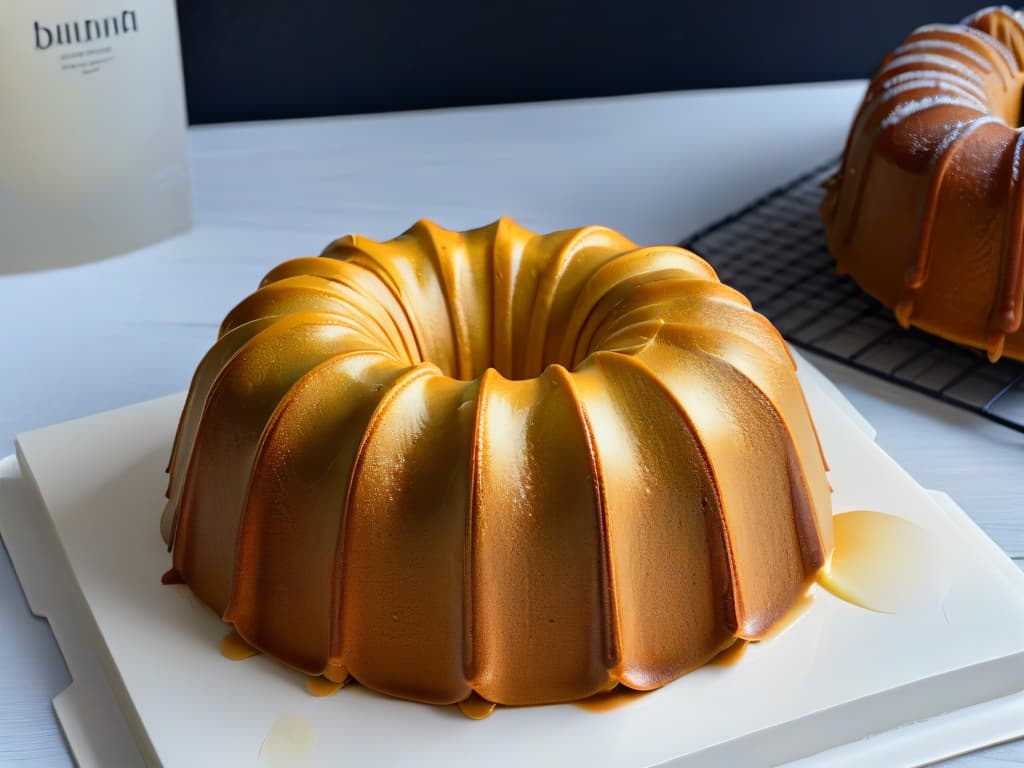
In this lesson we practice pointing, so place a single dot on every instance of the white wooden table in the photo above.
(656, 167)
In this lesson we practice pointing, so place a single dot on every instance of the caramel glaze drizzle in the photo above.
(904, 108)
(1005, 316)
(171, 576)
(846, 169)
(917, 273)
(1007, 312)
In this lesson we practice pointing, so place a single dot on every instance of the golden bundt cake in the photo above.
(926, 212)
(529, 466)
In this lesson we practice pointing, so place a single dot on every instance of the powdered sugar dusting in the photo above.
(904, 110)
(943, 88)
(934, 60)
(970, 19)
(992, 42)
(959, 130)
(927, 75)
(893, 94)
(962, 130)
(945, 45)
(948, 140)
(921, 78)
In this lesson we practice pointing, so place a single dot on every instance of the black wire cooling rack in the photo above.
(774, 252)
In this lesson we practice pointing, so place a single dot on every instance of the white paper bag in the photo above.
(93, 154)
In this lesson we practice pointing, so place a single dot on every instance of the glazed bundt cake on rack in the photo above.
(926, 212)
(526, 466)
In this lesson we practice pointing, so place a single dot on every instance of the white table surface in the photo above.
(658, 167)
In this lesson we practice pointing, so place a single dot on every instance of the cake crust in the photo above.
(527, 467)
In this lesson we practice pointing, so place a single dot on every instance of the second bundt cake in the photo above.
(926, 212)
(526, 466)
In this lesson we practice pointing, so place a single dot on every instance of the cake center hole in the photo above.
(519, 359)
(518, 348)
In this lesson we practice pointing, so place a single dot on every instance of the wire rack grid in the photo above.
(774, 251)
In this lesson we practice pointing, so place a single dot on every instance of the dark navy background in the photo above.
(259, 59)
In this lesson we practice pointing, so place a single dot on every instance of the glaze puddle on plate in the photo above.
(885, 563)
(730, 655)
(801, 606)
(616, 698)
(290, 740)
(476, 707)
(233, 647)
(321, 686)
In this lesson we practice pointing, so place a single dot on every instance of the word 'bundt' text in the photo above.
(85, 30)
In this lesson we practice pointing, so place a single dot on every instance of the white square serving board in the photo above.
(79, 512)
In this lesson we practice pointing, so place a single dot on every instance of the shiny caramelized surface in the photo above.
(523, 466)
(927, 210)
